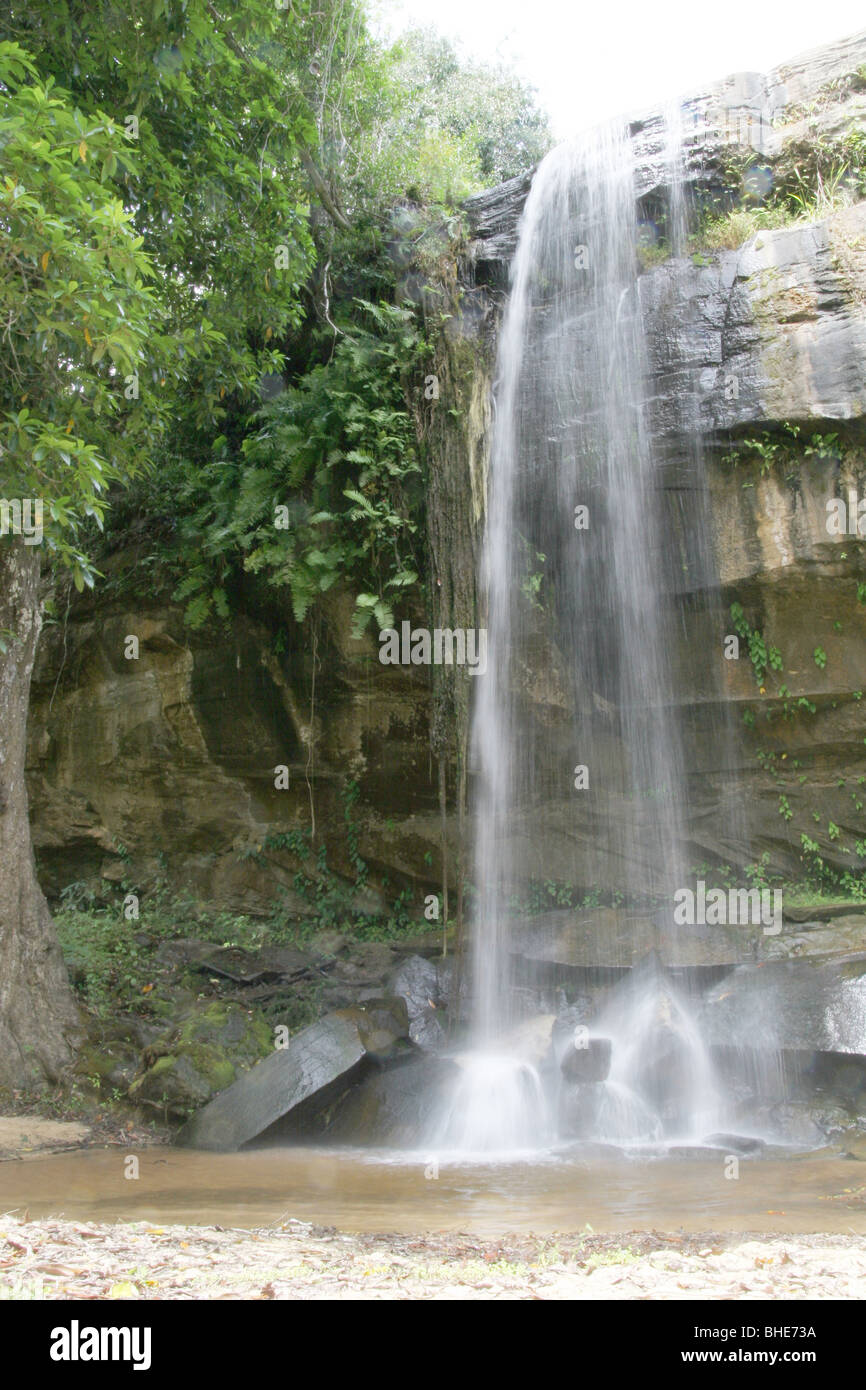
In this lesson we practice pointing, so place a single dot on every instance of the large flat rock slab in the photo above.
(610, 938)
(823, 910)
(793, 1005)
(616, 938)
(316, 1058)
(844, 935)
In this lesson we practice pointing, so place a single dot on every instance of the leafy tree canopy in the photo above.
(211, 176)
(200, 207)
(491, 116)
(80, 316)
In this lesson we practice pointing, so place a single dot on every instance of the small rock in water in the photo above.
(382, 1024)
(579, 1108)
(737, 1143)
(416, 981)
(589, 1063)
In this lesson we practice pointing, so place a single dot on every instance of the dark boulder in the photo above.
(395, 1106)
(416, 981)
(587, 1063)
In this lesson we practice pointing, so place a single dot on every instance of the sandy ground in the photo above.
(26, 1134)
(67, 1259)
(21, 1135)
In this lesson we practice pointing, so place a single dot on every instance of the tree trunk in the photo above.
(39, 1025)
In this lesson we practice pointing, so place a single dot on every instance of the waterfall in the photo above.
(571, 433)
(581, 568)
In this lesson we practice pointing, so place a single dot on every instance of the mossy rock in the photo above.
(203, 1055)
(178, 1085)
(169, 1003)
(111, 1063)
(227, 1026)
(295, 1009)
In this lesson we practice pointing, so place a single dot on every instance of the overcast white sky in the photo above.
(595, 58)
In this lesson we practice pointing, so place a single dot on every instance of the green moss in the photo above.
(160, 1067)
(94, 1062)
(212, 1017)
(262, 1034)
(211, 1064)
(163, 1064)
(221, 1038)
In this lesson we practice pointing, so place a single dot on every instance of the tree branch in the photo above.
(320, 187)
(323, 193)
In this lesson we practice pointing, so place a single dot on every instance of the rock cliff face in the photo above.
(765, 342)
(169, 759)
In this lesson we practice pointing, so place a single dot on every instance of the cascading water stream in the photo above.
(571, 432)
(576, 511)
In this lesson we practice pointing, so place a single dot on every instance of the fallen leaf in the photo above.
(123, 1290)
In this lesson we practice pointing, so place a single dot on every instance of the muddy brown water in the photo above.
(607, 1191)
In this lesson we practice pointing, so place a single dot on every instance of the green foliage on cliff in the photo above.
(807, 181)
(784, 444)
(762, 654)
(326, 489)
